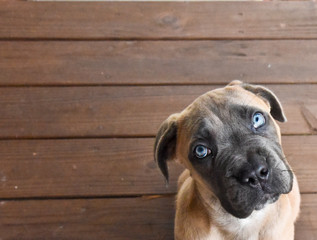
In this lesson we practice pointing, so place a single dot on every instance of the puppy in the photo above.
(237, 184)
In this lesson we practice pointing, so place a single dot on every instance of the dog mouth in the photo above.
(267, 198)
(242, 201)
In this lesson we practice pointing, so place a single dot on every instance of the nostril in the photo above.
(252, 181)
(263, 173)
(248, 178)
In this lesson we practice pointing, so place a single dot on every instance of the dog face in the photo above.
(230, 142)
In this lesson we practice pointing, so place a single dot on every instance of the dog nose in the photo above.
(255, 176)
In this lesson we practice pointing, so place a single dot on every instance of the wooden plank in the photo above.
(117, 111)
(310, 114)
(117, 219)
(301, 152)
(154, 20)
(134, 218)
(156, 62)
(306, 227)
(111, 167)
(86, 167)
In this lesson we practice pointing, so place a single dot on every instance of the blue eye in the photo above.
(258, 120)
(201, 151)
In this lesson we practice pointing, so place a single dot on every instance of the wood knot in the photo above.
(169, 20)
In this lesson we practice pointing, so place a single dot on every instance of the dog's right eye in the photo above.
(201, 151)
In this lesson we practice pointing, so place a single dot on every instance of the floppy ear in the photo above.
(165, 143)
(267, 95)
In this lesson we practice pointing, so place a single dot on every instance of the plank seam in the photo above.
(144, 84)
(145, 196)
(112, 137)
(159, 39)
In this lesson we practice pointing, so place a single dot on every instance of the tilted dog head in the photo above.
(230, 142)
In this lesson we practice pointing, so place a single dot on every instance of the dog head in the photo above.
(230, 142)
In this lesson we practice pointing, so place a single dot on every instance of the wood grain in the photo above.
(111, 167)
(117, 111)
(118, 219)
(306, 227)
(310, 114)
(134, 218)
(153, 20)
(156, 62)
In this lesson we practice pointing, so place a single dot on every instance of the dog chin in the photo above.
(267, 198)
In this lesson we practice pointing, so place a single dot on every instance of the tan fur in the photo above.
(199, 215)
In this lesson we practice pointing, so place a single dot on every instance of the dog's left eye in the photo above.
(201, 151)
(258, 120)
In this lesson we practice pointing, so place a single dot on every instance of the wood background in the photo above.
(85, 86)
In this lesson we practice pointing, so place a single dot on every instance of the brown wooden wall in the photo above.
(85, 86)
